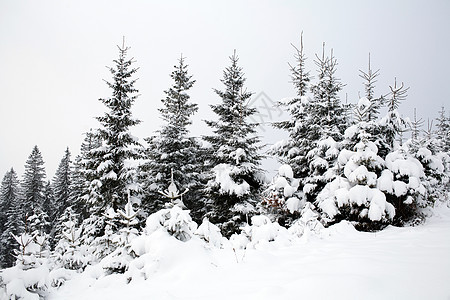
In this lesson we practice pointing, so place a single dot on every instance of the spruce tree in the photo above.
(293, 150)
(172, 152)
(326, 126)
(62, 184)
(370, 78)
(33, 183)
(235, 175)
(443, 131)
(10, 217)
(114, 176)
(393, 124)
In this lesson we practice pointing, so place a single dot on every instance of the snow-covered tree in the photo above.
(393, 124)
(33, 183)
(114, 174)
(372, 110)
(84, 174)
(172, 154)
(61, 184)
(235, 176)
(326, 128)
(443, 131)
(293, 150)
(10, 217)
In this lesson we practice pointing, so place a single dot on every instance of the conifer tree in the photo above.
(114, 175)
(33, 183)
(326, 128)
(293, 150)
(172, 152)
(443, 131)
(10, 217)
(370, 78)
(392, 125)
(84, 175)
(233, 157)
(62, 184)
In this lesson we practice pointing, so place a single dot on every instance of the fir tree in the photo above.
(326, 126)
(172, 153)
(61, 184)
(10, 217)
(113, 175)
(293, 150)
(85, 175)
(233, 157)
(33, 183)
(370, 78)
(392, 125)
(443, 131)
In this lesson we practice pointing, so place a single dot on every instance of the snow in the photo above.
(286, 171)
(227, 184)
(336, 263)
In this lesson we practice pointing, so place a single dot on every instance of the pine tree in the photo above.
(172, 151)
(114, 175)
(235, 175)
(33, 183)
(61, 184)
(10, 217)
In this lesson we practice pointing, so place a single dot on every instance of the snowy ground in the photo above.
(341, 263)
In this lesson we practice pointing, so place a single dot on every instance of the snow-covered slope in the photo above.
(340, 263)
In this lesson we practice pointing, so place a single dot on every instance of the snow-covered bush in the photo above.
(281, 199)
(355, 195)
(69, 252)
(176, 221)
(210, 233)
(29, 278)
(260, 232)
(308, 222)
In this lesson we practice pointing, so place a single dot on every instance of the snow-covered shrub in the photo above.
(261, 231)
(69, 252)
(401, 182)
(281, 199)
(29, 278)
(176, 221)
(436, 174)
(210, 233)
(307, 223)
(355, 195)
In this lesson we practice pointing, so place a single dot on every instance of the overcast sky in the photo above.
(53, 56)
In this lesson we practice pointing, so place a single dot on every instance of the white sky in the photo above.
(53, 56)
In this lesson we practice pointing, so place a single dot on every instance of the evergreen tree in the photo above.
(61, 184)
(293, 150)
(10, 217)
(33, 183)
(392, 125)
(326, 128)
(84, 173)
(443, 131)
(114, 174)
(370, 78)
(235, 175)
(172, 152)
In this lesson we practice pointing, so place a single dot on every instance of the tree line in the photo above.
(339, 162)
